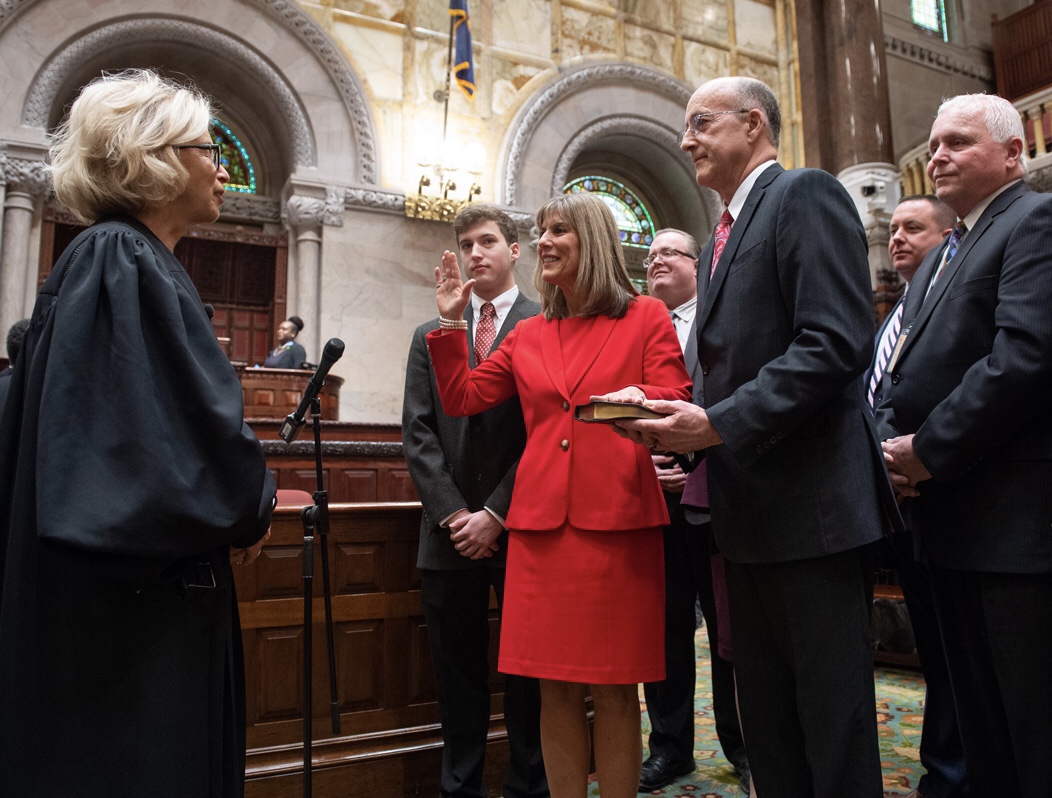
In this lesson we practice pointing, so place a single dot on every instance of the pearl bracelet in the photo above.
(452, 324)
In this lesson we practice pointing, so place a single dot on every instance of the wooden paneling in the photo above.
(390, 741)
(1023, 51)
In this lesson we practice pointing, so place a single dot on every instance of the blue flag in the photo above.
(463, 61)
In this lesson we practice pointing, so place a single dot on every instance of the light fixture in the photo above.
(450, 160)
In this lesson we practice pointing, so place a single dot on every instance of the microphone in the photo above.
(210, 311)
(294, 421)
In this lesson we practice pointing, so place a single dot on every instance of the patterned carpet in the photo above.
(900, 701)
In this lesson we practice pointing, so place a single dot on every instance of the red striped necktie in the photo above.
(723, 232)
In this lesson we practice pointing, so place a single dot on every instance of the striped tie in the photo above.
(959, 230)
(885, 348)
(723, 232)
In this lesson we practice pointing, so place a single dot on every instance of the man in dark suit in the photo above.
(919, 224)
(672, 277)
(464, 470)
(794, 476)
(965, 407)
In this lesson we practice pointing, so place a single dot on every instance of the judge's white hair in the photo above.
(115, 154)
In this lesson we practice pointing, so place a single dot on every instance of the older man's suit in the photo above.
(973, 381)
(688, 577)
(784, 333)
(455, 463)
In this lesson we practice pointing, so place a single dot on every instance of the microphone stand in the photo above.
(316, 517)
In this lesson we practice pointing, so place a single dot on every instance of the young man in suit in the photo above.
(464, 470)
(919, 224)
(672, 277)
(965, 411)
(795, 479)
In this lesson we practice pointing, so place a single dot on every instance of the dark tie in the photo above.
(959, 230)
(486, 332)
(885, 348)
(723, 232)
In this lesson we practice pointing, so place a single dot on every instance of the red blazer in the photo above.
(584, 474)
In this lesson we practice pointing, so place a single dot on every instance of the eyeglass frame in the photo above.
(217, 153)
(667, 252)
(694, 127)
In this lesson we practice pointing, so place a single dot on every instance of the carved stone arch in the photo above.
(616, 115)
(40, 105)
(306, 80)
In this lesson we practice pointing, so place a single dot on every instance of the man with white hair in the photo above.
(965, 411)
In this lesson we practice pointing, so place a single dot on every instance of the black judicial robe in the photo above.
(126, 472)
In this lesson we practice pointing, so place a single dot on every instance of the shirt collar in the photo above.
(973, 215)
(742, 194)
(501, 304)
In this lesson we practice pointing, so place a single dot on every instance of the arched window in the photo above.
(235, 159)
(930, 15)
(633, 219)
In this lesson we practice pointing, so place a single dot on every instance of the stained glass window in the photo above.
(632, 217)
(930, 15)
(235, 159)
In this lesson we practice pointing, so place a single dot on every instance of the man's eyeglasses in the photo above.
(668, 252)
(697, 123)
(216, 155)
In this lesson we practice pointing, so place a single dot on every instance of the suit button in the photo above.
(566, 405)
(759, 449)
(705, 369)
(774, 440)
(894, 379)
(565, 444)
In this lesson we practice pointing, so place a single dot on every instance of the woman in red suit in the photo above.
(584, 591)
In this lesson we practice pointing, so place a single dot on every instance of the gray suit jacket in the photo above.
(459, 462)
(785, 329)
(974, 382)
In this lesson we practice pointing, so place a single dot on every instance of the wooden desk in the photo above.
(390, 742)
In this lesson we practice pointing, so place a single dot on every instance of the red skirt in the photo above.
(584, 606)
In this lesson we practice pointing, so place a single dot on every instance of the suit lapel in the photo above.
(738, 229)
(551, 348)
(469, 316)
(942, 285)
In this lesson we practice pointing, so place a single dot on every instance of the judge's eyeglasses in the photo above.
(213, 147)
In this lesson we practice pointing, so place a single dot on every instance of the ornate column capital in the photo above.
(25, 175)
(303, 213)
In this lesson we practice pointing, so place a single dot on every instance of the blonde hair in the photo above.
(115, 154)
(603, 285)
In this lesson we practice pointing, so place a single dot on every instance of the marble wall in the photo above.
(341, 100)
(376, 280)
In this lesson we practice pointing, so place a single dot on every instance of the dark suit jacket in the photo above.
(974, 382)
(785, 330)
(459, 462)
(572, 472)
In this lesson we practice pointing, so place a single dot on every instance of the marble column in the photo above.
(27, 182)
(304, 216)
(861, 115)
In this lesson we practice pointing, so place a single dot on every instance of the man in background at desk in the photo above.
(672, 277)
(968, 435)
(919, 224)
(464, 471)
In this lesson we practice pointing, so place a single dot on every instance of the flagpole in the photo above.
(449, 74)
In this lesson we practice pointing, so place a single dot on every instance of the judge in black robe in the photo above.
(128, 483)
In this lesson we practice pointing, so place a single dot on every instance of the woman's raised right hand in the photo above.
(451, 292)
